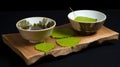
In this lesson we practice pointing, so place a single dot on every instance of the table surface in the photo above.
(106, 55)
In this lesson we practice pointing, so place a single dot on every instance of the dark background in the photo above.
(26, 5)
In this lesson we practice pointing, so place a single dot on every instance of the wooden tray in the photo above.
(26, 50)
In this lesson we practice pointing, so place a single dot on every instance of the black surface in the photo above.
(6, 5)
(107, 55)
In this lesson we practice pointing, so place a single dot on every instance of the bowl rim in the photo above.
(105, 17)
(36, 30)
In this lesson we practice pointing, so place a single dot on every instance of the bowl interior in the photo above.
(36, 23)
(33, 20)
(87, 13)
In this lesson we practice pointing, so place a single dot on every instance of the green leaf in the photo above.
(45, 47)
(68, 42)
(62, 33)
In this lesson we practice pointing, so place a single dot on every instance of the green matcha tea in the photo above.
(85, 19)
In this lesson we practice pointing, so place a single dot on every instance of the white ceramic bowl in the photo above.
(87, 28)
(35, 36)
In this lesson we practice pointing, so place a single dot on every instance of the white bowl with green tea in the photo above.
(36, 29)
(86, 21)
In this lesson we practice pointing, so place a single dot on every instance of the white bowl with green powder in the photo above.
(86, 21)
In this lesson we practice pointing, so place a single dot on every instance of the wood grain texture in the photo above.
(26, 50)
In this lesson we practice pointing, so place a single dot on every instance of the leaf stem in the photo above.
(72, 11)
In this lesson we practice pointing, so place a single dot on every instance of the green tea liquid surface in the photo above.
(85, 19)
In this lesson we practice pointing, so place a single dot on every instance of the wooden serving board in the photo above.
(27, 51)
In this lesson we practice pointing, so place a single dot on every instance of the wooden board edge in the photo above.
(29, 60)
(8, 43)
(65, 51)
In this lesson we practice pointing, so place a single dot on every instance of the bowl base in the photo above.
(35, 41)
(85, 33)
